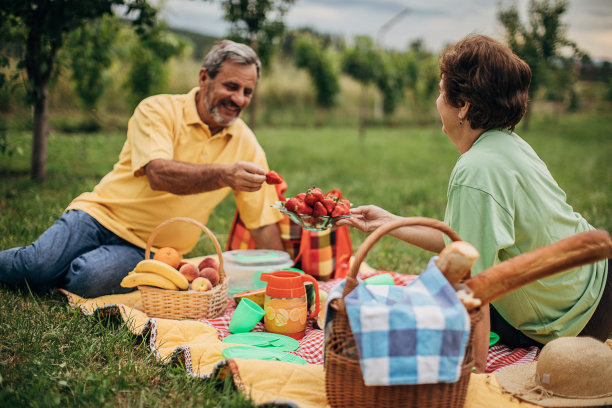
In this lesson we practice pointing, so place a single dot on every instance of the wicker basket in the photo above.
(185, 304)
(344, 384)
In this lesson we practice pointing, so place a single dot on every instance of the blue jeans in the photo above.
(77, 254)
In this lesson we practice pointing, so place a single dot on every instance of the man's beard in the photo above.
(214, 112)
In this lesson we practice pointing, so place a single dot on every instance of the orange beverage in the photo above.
(285, 316)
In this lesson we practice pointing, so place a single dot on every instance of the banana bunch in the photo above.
(151, 272)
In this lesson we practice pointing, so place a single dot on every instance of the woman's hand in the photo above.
(367, 218)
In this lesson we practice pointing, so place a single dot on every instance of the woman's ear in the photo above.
(463, 111)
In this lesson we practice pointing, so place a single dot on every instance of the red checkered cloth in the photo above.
(313, 343)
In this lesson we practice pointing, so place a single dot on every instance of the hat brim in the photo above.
(519, 380)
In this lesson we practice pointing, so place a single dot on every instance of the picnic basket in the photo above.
(185, 304)
(344, 385)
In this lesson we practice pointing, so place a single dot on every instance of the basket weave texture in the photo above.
(185, 304)
(344, 386)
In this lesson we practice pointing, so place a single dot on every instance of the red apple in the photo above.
(211, 274)
(190, 271)
(201, 284)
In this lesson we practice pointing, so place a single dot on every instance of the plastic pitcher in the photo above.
(285, 305)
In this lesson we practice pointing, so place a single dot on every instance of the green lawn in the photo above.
(52, 355)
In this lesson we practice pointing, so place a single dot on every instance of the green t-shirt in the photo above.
(503, 200)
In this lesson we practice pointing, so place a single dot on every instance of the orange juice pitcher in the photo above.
(286, 306)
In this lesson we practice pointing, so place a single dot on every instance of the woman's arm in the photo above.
(368, 218)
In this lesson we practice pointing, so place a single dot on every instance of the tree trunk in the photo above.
(253, 111)
(363, 107)
(38, 168)
(527, 117)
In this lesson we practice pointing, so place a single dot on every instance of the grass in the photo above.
(53, 355)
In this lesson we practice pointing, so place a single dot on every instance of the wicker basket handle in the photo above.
(364, 248)
(211, 236)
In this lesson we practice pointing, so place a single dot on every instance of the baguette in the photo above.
(580, 249)
(456, 261)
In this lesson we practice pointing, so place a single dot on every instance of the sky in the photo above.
(397, 23)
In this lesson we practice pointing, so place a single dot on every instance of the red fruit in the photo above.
(335, 192)
(208, 262)
(301, 196)
(329, 204)
(304, 208)
(314, 195)
(293, 204)
(189, 271)
(340, 209)
(319, 210)
(211, 274)
(272, 177)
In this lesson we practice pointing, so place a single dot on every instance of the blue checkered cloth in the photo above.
(415, 334)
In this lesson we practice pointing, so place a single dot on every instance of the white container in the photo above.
(242, 265)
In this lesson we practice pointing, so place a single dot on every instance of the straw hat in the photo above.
(570, 372)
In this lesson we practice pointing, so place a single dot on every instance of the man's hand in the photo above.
(244, 176)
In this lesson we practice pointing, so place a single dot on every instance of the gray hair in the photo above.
(233, 51)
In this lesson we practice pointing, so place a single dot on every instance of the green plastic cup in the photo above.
(380, 279)
(246, 316)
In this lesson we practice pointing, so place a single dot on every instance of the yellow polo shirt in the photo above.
(169, 127)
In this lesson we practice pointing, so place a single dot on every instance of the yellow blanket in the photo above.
(198, 345)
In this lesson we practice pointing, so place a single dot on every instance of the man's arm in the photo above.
(186, 178)
(268, 237)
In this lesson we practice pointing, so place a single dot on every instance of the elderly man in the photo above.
(183, 155)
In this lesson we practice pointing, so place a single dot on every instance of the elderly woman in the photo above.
(503, 200)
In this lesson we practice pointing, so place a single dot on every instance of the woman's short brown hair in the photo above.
(489, 76)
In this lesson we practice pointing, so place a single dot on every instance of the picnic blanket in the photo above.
(198, 344)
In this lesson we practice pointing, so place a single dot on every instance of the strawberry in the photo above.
(329, 204)
(292, 205)
(304, 208)
(314, 195)
(301, 196)
(319, 210)
(340, 210)
(272, 177)
(335, 193)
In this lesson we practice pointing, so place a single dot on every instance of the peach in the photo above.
(190, 271)
(209, 262)
(211, 274)
(201, 284)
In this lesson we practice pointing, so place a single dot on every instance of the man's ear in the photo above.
(203, 76)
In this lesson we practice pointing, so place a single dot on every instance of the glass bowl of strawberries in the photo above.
(315, 210)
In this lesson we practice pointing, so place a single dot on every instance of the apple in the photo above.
(190, 271)
(211, 274)
(201, 284)
(209, 262)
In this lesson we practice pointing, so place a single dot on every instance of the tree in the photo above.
(541, 42)
(147, 57)
(258, 23)
(311, 55)
(88, 50)
(40, 28)
(359, 62)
